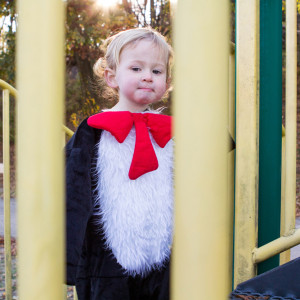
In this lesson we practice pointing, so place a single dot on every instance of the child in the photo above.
(119, 179)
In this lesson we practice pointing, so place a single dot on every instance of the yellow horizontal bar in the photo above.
(68, 131)
(4, 85)
(275, 247)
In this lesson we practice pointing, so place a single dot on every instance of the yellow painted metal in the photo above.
(291, 115)
(68, 131)
(277, 246)
(6, 195)
(231, 123)
(65, 288)
(40, 172)
(288, 207)
(231, 152)
(247, 119)
(6, 86)
(286, 255)
(201, 258)
(14, 92)
(231, 130)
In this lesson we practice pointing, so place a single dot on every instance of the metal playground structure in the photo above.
(234, 208)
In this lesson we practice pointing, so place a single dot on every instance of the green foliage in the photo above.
(158, 16)
(76, 108)
(7, 41)
(8, 21)
(87, 26)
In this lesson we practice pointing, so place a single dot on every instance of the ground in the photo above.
(2, 268)
(14, 271)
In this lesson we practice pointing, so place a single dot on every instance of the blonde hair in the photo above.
(114, 45)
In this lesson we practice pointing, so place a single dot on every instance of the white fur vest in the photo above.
(136, 215)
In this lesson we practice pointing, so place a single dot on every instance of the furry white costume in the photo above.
(136, 215)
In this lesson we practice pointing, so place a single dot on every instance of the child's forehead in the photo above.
(133, 44)
(144, 48)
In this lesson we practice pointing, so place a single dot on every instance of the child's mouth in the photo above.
(146, 89)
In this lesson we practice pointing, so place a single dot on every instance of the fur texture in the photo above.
(136, 215)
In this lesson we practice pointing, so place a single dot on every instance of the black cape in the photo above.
(282, 283)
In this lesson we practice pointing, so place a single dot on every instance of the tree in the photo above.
(8, 21)
(154, 13)
(8, 24)
(87, 26)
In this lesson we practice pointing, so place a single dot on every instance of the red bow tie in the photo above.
(119, 124)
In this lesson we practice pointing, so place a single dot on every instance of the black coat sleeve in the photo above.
(79, 206)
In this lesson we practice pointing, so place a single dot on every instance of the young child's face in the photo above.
(141, 75)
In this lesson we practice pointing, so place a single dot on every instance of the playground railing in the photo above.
(8, 90)
(290, 236)
(246, 253)
(246, 170)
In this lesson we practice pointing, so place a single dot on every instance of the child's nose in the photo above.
(147, 76)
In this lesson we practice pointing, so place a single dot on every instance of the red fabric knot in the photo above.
(119, 124)
(138, 117)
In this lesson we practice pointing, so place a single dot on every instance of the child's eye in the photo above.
(136, 69)
(156, 72)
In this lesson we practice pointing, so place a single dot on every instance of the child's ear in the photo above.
(110, 78)
(169, 82)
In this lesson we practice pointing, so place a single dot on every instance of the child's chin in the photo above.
(146, 101)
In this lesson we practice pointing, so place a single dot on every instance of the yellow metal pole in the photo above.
(6, 195)
(247, 94)
(201, 258)
(289, 171)
(285, 256)
(231, 121)
(7, 86)
(231, 151)
(291, 115)
(40, 187)
(275, 247)
(67, 131)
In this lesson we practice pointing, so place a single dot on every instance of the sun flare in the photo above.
(107, 3)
